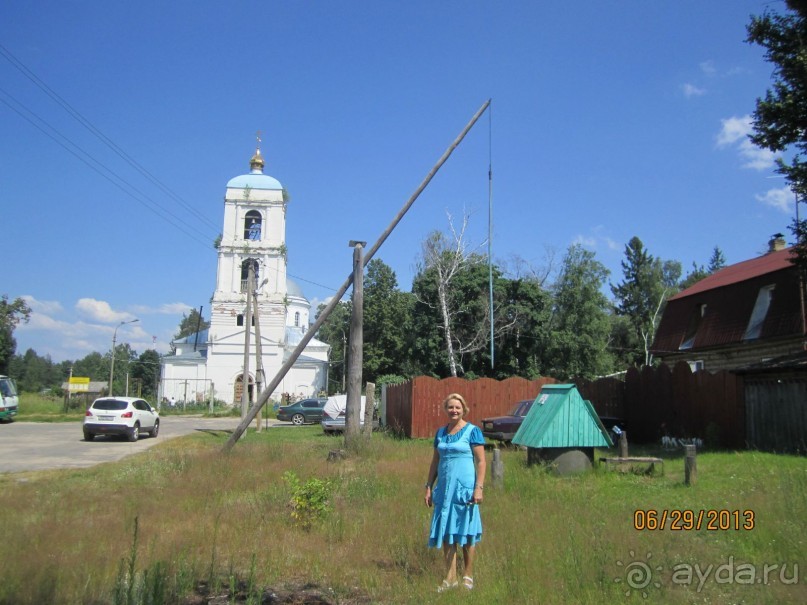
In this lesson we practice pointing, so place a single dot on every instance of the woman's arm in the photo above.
(481, 466)
(431, 478)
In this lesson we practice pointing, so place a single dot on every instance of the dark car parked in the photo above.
(503, 428)
(303, 411)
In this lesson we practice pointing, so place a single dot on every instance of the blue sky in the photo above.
(609, 119)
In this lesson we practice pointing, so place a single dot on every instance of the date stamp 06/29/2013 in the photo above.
(693, 520)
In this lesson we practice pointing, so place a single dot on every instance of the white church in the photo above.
(211, 362)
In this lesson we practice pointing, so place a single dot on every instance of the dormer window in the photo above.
(694, 324)
(252, 225)
(760, 312)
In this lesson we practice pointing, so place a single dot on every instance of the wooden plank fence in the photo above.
(414, 408)
(652, 402)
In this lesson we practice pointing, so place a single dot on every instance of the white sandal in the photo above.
(468, 582)
(446, 586)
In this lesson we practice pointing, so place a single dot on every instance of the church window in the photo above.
(239, 320)
(297, 319)
(252, 225)
(245, 273)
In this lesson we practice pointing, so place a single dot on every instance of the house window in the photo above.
(252, 225)
(694, 324)
(297, 319)
(757, 320)
(245, 273)
(696, 366)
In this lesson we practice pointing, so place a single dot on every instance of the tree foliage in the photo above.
(580, 327)
(335, 331)
(386, 322)
(191, 323)
(11, 314)
(640, 296)
(780, 117)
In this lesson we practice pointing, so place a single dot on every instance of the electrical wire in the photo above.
(23, 69)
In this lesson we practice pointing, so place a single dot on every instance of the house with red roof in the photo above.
(744, 314)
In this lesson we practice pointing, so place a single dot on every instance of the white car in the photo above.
(129, 416)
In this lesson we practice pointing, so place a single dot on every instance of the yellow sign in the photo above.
(78, 384)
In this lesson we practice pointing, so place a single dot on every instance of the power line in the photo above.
(100, 168)
(21, 67)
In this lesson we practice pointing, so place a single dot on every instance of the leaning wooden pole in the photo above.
(270, 388)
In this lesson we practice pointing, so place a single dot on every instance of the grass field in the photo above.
(201, 516)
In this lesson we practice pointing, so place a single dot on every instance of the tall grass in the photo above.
(151, 527)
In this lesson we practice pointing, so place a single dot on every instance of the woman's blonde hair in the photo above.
(465, 409)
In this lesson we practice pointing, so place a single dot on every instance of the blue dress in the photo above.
(454, 520)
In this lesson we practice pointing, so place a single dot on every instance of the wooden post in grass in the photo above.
(369, 409)
(497, 469)
(623, 444)
(690, 465)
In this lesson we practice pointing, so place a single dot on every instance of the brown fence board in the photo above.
(652, 402)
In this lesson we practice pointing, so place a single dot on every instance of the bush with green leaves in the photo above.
(310, 501)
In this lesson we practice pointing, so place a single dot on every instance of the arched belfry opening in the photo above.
(253, 222)
(245, 273)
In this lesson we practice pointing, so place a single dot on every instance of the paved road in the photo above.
(35, 446)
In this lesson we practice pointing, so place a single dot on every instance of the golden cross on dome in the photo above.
(258, 138)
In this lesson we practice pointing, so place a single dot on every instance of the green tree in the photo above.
(523, 308)
(717, 261)
(335, 331)
(93, 365)
(647, 283)
(124, 356)
(191, 323)
(580, 327)
(11, 314)
(386, 322)
(146, 371)
(780, 117)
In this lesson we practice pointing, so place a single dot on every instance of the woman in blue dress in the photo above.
(458, 464)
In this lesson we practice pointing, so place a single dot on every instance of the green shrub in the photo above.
(310, 501)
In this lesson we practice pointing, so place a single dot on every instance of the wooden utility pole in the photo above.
(247, 330)
(259, 378)
(355, 347)
(239, 430)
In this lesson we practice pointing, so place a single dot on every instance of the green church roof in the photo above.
(560, 417)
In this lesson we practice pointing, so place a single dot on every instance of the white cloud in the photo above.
(49, 307)
(734, 129)
(708, 67)
(781, 199)
(734, 133)
(100, 310)
(177, 308)
(316, 302)
(583, 240)
(690, 90)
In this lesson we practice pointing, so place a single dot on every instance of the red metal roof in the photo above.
(716, 311)
(773, 261)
